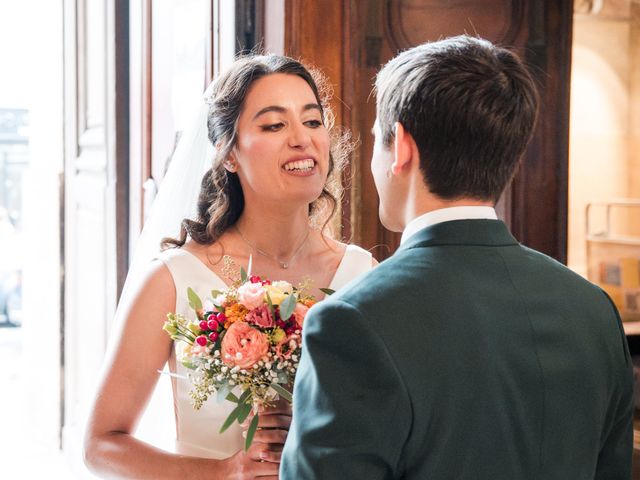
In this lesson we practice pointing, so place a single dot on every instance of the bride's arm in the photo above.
(131, 372)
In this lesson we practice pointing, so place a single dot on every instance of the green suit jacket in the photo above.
(463, 356)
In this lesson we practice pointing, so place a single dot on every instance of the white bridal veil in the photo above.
(177, 197)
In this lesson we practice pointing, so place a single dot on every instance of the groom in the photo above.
(465, 355)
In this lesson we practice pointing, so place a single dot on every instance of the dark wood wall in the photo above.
(350, 40)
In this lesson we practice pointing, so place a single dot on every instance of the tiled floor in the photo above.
(21, 457)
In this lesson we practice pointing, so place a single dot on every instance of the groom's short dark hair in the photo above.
(471, 108)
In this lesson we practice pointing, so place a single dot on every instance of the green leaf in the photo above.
(232, 398)
(244, 413)
(243, 275)
(215, 293)
(253, 426)
(245, 396)
(272, 310)
(194, 299)
(283, 392)
(287, 307)
(189, 365)
(327, 291)
(232, 417)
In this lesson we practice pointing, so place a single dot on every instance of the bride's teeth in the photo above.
(299, 165)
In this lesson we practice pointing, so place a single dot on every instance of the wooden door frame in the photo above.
(535, 205)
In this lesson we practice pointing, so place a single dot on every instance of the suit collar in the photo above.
(462, 232)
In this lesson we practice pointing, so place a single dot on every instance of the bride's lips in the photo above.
(300, 166)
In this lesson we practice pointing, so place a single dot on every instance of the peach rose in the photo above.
(287, 346)
(260, 317)
(299, 313)
(243, 346)
(251, 295)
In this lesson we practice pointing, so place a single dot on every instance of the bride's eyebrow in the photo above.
(279, 109)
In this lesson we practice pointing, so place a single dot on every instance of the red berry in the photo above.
(212, 325)
(203, 325)
(222, 318)
(255, 279)
(211, 316)
(201, 340)
(213, 336)
(266, 282)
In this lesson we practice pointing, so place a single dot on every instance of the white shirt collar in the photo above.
(446, 215)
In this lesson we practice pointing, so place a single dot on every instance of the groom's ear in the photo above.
(404, 148)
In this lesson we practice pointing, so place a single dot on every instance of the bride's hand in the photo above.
(262, 460)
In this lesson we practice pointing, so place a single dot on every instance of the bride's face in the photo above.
(282, 150)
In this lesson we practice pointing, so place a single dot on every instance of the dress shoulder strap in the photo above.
(355, 262)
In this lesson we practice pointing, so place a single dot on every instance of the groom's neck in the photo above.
(419, 205)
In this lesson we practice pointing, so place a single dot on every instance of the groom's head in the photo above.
(457, 114)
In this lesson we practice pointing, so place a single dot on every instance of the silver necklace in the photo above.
(283, 264)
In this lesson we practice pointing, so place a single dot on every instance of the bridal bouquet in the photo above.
(246, 340)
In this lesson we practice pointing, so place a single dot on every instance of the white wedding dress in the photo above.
(197, 430)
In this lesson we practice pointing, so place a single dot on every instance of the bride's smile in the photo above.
(300, 166)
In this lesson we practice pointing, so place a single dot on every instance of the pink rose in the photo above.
(243, 345)
(261, 317)
(251, 295)
(299, 313)
(287, 346)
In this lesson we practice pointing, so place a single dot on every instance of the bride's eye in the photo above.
(274, 127)
(313, 123)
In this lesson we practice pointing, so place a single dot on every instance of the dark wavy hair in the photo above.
(221, 200)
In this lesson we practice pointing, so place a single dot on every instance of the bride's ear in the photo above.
(230, 164)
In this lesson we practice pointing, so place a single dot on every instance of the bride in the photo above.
(267, 194)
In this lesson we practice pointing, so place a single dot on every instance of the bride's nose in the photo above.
(299, 136)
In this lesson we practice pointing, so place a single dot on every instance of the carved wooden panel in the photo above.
(372, 32)
(411, 22)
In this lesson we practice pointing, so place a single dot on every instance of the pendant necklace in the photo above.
(283, 264)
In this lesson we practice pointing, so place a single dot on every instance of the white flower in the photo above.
(220, 299)
(284, 287)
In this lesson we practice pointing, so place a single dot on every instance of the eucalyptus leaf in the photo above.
(232, 398)
(283, 392)
(244, 413)
(287, 307)
(253, 426)
(245, 396)
(189, 365)
(223, 392)
(194, 300)
(231, 418)
(327, 291)
(283, 378)
(272, 310)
